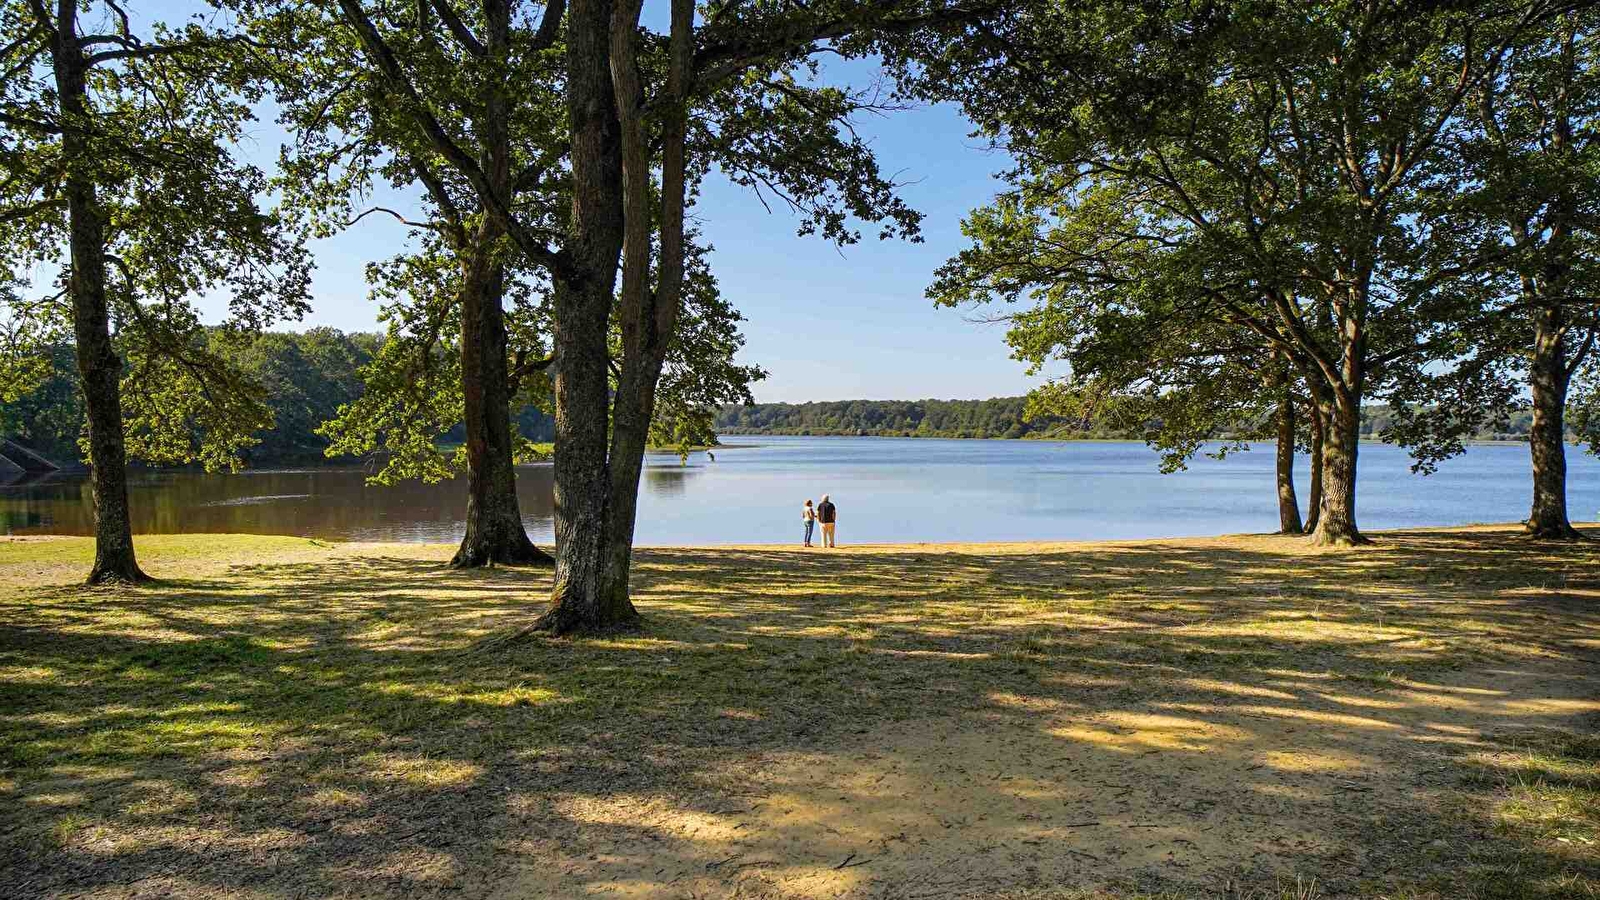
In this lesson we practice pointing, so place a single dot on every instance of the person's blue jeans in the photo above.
(810, 524)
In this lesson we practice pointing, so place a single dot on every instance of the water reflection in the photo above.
(886, 489)
(667, 481)
(333, 502)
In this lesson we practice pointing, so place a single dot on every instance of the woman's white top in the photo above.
(807, 513)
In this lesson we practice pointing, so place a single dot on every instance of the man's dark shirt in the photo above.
(825, 512)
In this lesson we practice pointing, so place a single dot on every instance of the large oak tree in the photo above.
(116, 172)
(646, 116)
(1295, 147)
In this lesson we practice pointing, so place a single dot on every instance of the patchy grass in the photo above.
(1235, 717)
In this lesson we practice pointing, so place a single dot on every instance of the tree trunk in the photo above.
(1336, 523)
(495, 535)
(648, 317)
(99, 367)
(630, 432)
(1288, 503)
(579, 601)
(1547, 382)
(583, 301)
(494, 517)
(1338, 390)
(1314, 493)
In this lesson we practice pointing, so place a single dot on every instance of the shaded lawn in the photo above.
(1229, 717)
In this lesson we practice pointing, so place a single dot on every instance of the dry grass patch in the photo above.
(1234, 717)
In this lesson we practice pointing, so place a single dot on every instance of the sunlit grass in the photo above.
(307, 709)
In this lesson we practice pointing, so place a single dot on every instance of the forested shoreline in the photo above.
(1006, 417)
(307, 376)
(305, 379)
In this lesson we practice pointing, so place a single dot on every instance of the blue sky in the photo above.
(827, 323)
(833, 323)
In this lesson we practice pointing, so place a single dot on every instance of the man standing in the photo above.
(827, 514)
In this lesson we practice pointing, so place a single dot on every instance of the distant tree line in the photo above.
(1010, 417)
(305, 378)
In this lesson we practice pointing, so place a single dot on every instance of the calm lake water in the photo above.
(887, 489)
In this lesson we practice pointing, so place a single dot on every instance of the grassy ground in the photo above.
(1237, 717)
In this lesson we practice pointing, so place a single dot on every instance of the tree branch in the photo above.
(716, 62)
(394, 75)
(431, 226)
(549, 26)
(463, 34)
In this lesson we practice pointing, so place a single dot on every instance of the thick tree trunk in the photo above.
(583, 302)
(579, 601)
(495, 535)
(648, 317)
(1288, 503)
(1336, 523)
(1547, 383)
(99, 367)
(1338, 389)
(494, 517)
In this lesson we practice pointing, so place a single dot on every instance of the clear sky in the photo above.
(828, 324)
(833, 323)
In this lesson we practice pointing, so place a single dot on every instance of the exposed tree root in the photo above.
(513, 553)
(1554, 531)
(117, 575)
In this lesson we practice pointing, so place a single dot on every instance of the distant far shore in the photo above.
(1057, 438)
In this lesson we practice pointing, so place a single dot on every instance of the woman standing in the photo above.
(808, 516)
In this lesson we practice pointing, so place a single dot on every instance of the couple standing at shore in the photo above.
(824, 512)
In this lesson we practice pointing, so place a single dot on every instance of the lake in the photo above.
(887, 489)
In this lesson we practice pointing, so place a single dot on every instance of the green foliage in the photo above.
(184, 402)
(1203, 192)
(50, 417)
(300, 377)
(181, 217)
(700, 376)
(411, 389)
(1115, 298)
(999, 417)
(1528, 169)
(27, 332)
(305, 377)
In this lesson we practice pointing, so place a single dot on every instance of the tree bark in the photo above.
(494, 516)
(1338, 386)
(1547, 382)
(99, 366)
(578, 599)
(1314, 492)
(583, 300)
(1288, 503)
(495, 535)
(1336, 523)
(648, 317)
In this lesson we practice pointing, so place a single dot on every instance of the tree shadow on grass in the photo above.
(318, 728)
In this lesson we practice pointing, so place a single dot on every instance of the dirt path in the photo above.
(1221, 718)
(1297, 778)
